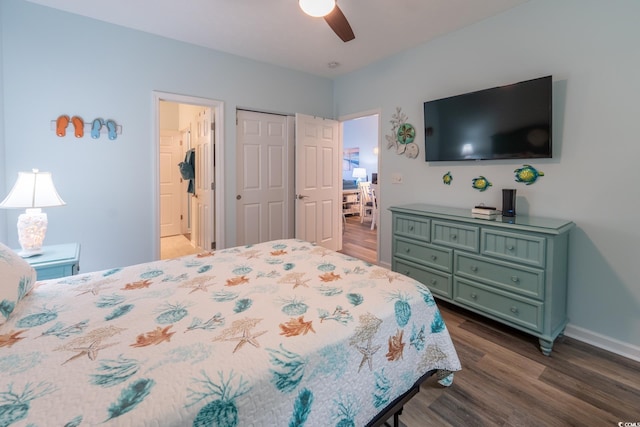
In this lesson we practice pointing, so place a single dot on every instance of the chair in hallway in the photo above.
(366, 203)
(344, 222)
(375, 219)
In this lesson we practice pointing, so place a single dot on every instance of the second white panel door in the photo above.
(262, 177)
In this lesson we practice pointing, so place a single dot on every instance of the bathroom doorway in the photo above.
(189, 205)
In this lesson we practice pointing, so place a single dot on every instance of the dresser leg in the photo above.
(546, 346)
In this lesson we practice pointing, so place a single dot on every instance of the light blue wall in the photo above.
(58, 63)
(591, 49)
(3, 221)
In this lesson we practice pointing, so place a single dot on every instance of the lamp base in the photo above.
(32, 227)
(30, 253)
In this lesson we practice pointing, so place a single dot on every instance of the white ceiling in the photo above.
(278, 32)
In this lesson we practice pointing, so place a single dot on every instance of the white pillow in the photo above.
(17, 278)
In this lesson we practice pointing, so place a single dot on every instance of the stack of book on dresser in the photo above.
(484, 212)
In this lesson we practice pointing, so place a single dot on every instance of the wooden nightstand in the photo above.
(56, 261)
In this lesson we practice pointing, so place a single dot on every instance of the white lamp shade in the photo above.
(33, 190)
(317, 8)
(359, 173)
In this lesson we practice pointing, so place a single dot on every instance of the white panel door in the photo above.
(171, 196)
(318, 181)
(262, 177)
(202, 230)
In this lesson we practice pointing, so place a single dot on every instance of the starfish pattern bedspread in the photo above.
(283, 333)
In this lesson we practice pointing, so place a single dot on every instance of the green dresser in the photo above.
(512, 270)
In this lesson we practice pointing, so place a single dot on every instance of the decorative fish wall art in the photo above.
(447, 178)
(527, 174)
(481, 183)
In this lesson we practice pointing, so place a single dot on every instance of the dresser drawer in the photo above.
(511, 277)
(438, 283)
(416, 228)
(455, 235)
(440, 258)
(56, 272)
(514, 247)
(518, 311)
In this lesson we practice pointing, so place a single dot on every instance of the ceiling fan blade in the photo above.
(339, 24)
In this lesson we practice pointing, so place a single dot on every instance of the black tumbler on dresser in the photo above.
(508, 202)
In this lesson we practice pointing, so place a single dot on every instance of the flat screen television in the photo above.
(506, 122)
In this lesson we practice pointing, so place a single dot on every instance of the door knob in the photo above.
(238, 197)
(301, 196)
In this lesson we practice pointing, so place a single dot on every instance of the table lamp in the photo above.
(359, 173)
(33, 191)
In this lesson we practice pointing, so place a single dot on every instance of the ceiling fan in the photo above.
(329, 10)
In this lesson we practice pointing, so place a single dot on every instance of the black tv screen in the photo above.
(506, 122)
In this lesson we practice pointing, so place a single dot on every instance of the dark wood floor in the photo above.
(505, 379)
(359, 241)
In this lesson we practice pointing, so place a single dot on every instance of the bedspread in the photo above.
(283, 333)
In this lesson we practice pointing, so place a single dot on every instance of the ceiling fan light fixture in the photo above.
(317, 8)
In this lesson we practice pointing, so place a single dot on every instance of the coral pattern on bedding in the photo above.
(280, 333)
(16, 279)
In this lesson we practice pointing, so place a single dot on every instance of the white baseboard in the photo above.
(618, 347)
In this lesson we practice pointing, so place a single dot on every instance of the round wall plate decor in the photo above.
(412, 150)
(406, 133)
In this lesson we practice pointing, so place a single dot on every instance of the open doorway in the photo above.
(360, 169)
(189, 209)
(180, 127)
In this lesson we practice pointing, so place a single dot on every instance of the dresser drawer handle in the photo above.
(407, 273)
(433, 282)
(473, 295)
(511, 248)
(474, 268)
(433, 257)
(515, 279)
(407, 250)
(454, 237)
(411, 228)
(514, 310)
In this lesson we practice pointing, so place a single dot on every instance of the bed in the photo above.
(283, 333)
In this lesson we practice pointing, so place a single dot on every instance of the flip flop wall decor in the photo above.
(61, 125)
(96, 127)
(78, 125)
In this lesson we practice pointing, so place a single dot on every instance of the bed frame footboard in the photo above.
(394, 409)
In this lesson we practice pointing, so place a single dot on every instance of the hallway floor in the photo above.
(176, 246)
(359, 240)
